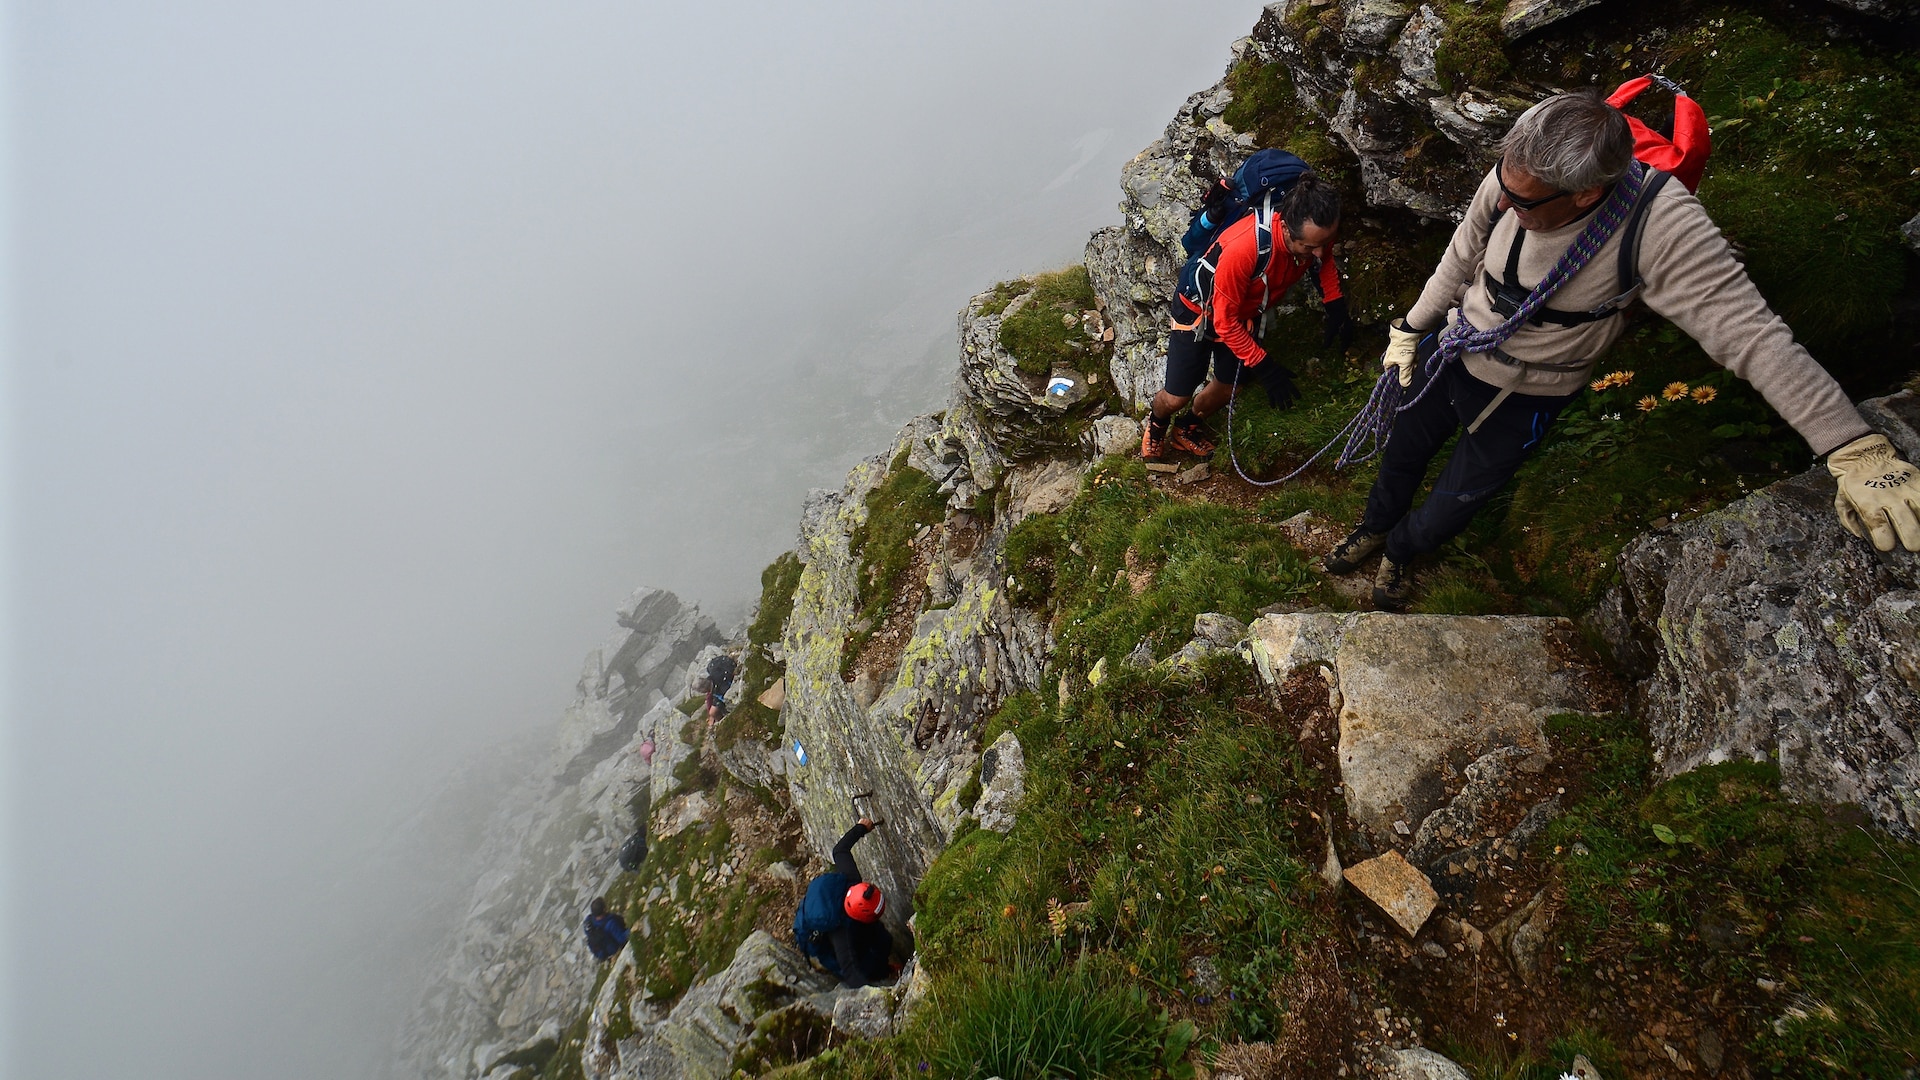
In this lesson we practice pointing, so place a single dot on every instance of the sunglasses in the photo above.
(1518, 203)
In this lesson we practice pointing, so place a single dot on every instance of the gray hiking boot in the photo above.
(1392, 585)
(1354, 550)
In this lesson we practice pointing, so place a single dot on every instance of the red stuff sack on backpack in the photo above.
(1685, 154)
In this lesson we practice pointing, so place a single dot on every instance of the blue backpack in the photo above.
(605, 934)
(821, 913)
(1260, 180)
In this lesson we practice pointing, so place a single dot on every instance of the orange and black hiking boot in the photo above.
(1153, 439)
(1193, 437)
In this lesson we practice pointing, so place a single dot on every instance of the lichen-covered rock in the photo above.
(866, 1013)
(1369, 25)
(518, 960)
(1763, 629)
(997, 415)
(698, 1038)
(914, 741)
(1003, 783)
(1523, 17)
(1424, 694)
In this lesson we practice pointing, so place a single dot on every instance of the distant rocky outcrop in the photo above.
(1763, 630)
(518, 959)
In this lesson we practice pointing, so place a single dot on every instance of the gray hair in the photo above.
(1572, 141)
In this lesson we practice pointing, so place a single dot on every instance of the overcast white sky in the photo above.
(360, 358)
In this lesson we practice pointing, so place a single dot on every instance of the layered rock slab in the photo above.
(1423, 695)
(1764, 630)
(915, 744)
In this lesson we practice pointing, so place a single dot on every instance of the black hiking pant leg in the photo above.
(1481, 463)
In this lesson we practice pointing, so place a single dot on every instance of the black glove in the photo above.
(1275, 378)
(1339, 325)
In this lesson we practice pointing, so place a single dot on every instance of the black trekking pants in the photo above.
(1482, 461)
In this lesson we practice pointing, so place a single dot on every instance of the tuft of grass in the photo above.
(752, 720)
(1191, 557)
(1004, 294)
(896, 510)
(1158, 823)
(1720, 880)
(1046, 329)
(1812, 171)
(1038, 1025)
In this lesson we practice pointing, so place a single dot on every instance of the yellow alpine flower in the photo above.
(1675, 391)
(1649, 403)
(1704, 394)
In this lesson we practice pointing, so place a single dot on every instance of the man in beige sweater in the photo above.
(1562, 158)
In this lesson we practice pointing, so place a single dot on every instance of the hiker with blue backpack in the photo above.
(838, 922)
(1573, 213)
(1255, 236)
(606, 931)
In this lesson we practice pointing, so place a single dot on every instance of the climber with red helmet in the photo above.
(838, 923)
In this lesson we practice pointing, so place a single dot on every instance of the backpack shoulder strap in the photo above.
(1637, 224)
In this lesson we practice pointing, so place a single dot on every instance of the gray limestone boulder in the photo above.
(1420, 1063)
(1523, 17)
(1421, 696)
(699, 1037)
(1763, 630)
(1910, 232)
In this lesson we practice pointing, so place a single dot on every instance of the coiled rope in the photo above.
(1367, 433)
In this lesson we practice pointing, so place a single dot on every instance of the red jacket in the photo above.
(1239, 297)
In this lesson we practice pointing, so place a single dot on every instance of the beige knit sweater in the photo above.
(1692, 278)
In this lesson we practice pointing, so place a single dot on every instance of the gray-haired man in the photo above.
(1562, 158)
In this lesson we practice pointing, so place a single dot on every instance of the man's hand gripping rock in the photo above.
(1879, 494)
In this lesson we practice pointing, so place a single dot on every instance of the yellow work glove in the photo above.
(1879, 496)
(1401, 340)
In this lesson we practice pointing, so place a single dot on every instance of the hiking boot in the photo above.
(1193, 438)
(1347, 556)
(1153, 444)
(1392, 585)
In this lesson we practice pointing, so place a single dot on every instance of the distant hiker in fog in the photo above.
(715, 684)
(634, 852)
(838, 923)
(1489, 355)
(606, 930)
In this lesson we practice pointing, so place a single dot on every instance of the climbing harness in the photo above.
(1366, 434)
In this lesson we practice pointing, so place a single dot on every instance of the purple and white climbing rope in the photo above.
(1367, 433)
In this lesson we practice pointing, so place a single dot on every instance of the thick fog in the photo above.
(361, 358)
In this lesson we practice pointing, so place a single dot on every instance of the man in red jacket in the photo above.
(1219, 333)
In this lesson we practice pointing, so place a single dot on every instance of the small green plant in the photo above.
(1046, 329)
(750, 719)
(905, 501)
(1474, 50)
